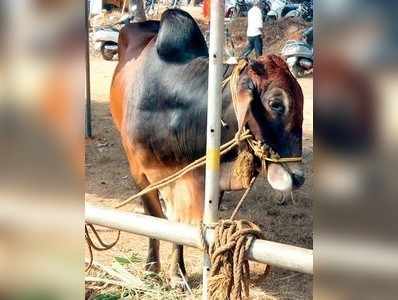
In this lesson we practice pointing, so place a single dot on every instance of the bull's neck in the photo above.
(228, 116)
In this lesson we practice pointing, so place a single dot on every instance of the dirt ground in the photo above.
(108, 182)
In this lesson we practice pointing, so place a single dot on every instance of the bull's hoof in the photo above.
(153, 267)
(177, 283)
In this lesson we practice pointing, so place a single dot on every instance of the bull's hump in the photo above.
(180, 39)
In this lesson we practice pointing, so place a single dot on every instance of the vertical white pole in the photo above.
(212, 191)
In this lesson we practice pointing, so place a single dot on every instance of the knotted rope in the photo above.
(230, 274)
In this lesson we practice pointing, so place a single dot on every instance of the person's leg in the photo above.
(258, 45)
(249, 48)
(261, 46)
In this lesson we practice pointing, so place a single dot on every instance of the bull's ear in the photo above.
(245, 97)
(258, 67)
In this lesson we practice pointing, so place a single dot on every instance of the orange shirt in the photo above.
(206, 9)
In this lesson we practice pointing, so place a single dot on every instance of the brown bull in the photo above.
(159, 105)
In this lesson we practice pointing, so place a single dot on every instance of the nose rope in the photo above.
(263, 151)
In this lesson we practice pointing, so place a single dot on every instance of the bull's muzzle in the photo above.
(296, 171)
(285, 177)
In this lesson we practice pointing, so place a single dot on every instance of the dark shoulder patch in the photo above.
(180, 39)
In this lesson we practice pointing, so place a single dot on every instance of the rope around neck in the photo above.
(263, 151)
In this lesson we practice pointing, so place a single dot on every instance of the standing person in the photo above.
(254, 30)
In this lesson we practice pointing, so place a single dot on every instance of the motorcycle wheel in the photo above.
(107, 54)
(231, 13)
(308, 18)
(296, 71)
(238, 12)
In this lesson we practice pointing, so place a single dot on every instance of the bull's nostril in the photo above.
(298, 180)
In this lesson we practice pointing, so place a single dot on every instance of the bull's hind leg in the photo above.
(153, 207)
(151, 202)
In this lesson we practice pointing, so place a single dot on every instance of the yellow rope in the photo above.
(266, 153)
(243, 198)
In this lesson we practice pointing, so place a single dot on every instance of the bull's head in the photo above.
(271, 105)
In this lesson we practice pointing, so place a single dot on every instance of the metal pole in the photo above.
(214, 105)
(88, 127)
(152, 227)
(276, 254)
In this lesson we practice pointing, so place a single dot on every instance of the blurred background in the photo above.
(356, 142)
(42, 71)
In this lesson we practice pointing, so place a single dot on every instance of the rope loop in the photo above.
(91, 245)
(230, 273)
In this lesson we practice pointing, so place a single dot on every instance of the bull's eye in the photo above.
(277, 106)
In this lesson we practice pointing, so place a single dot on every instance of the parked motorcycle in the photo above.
(283, 9)
(299, 55)
(152, 6)
(308, 11)
(303, 10)
(106, 37)
(239, 8)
